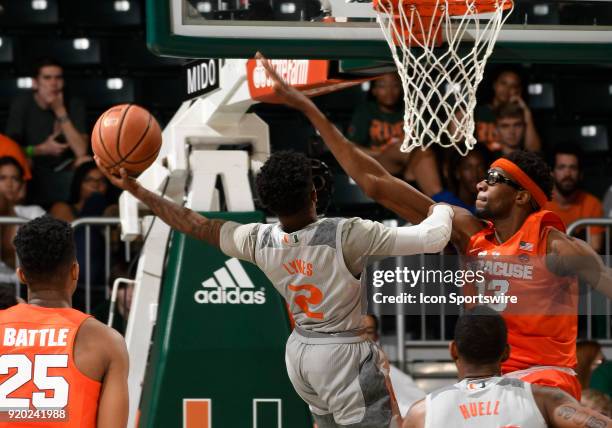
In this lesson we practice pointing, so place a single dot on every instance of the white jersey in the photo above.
(307, 268)
(484, 403)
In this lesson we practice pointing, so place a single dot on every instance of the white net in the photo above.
(440, 82)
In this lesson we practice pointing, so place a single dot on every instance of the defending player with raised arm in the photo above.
(510, 222)
(315, 264)
(65, 369)
(483, 398)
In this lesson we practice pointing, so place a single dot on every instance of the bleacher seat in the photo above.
(6, 49)
(102, 93)
(10, 88)
(68, 51)
(115, 14)
(541, 95)
(591, 137)
(133, 54)
(21, 13)
(587, 97)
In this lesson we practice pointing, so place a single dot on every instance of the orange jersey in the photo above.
(40, 385)
(543, 323)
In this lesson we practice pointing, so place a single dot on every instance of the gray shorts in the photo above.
(344, 384)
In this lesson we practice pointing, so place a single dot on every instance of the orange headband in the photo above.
(523, 179)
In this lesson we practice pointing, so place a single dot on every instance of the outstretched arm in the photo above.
(372, 178)
(562, 411)
(178, 217)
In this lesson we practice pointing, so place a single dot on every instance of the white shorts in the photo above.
(342, 379)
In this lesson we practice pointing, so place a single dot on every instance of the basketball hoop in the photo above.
(440, 82)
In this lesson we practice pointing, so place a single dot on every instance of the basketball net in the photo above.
(440, 82)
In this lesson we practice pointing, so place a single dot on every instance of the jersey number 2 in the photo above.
(41, 379)
(315, 296)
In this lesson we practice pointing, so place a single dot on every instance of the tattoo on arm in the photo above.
(580, 418)
(183, 219)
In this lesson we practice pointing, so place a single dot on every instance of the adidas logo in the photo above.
(230, 285)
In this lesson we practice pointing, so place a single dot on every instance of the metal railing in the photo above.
(86, 223)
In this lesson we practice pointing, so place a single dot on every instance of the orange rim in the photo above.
(433, 7)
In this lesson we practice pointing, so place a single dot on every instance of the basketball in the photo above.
(126, 136)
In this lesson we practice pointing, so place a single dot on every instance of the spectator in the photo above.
(607, 203)
(463, 174)
(10, 148)
(507, 88)
(597, 400)
(88, 198)
(406, 391)
(568, 200)
(51, 131)
(510, 125)
(589, 355)
(378, 128)
(13, 192)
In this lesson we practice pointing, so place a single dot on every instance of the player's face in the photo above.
(11, 183)
(50, 81)
(470, 172)
(94, 182)
(507, 86)
(566, 173)
(511, 131)
(387, 90)
(495, 197)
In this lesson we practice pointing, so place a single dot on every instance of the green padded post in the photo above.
(232, 354)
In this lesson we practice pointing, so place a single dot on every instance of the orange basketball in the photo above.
(126, 136)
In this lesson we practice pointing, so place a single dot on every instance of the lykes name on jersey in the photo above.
(298, 266)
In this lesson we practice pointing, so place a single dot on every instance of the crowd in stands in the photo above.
(46, 163)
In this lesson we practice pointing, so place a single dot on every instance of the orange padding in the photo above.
(523, 179)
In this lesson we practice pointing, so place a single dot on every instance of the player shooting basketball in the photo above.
(483, 398)
(315, 264)
(509, 222)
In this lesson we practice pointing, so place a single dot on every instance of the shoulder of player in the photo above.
(465, 225)
(415, 417)
(560, 243)
(105, 339)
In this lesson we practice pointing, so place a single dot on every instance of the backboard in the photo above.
(576, 31)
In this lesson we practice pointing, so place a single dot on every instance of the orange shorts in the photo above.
(554, 378)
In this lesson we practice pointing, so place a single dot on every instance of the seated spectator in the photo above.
(463, 174)
(13, 193)
(88, 198)
(597, 400)
(569, 201)
(51, 132)
(378, 128)
(510, 125)
(11, 149)
(507, 88)
(406, 391)
(589, 356)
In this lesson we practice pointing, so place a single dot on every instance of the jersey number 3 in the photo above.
(41, 379)
(314, 297)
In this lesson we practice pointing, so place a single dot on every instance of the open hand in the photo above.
(288, 94)
(118, 177)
